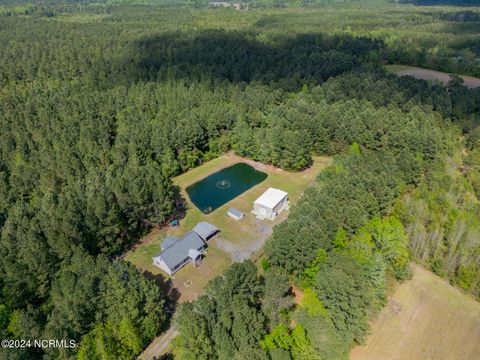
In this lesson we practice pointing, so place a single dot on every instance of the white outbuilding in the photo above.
(235, 214)
(270, 204)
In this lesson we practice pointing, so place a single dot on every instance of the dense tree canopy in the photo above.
(101, 105)
(442, 219)
(227, 321)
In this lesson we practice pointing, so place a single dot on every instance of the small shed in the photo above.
(205, 230)
(270, 204)
(235, 214)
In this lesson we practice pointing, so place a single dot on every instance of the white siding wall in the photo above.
(281, 205)
(262, 211)
(159, 262)
(267, 213)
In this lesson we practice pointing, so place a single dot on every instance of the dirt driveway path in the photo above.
(425, 74)
(239, 253)
(159, 346)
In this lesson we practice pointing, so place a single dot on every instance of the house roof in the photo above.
(169, 241)
(193, 254)
(205, 230)
(235, 212)
(178, 252)
(271, 198)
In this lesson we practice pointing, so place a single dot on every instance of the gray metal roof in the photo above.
(178, 252)
(169, 241)
(235, 212)
(193, 254)
(205, 230)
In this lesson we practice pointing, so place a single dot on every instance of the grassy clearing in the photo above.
(396, 68)
(190, 280)
(242, 232)
(426, 319)
(237, 237)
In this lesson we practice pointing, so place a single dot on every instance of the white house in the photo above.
(177, 252)
(270, 204)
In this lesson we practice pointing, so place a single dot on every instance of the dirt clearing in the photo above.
(425, 74)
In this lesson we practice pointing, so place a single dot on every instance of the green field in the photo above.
(237, 238)
(425, 319)
(396, 68)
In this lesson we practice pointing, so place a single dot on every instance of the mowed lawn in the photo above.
(426, 319)
(430, 75)
(236, 239)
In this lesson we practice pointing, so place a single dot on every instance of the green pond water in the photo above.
(221, 187)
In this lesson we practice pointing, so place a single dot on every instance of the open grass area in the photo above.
(237, 240)
(241, 232)
(396, 68)
(426, 319)
(430, 75)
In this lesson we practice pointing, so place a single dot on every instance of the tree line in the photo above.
(441, 217)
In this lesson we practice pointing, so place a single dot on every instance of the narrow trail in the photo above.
(159, 345)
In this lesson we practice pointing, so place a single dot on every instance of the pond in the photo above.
(221, 187)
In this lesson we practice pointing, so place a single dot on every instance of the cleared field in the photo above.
(238, 240)
(425, 74)
(426, 319)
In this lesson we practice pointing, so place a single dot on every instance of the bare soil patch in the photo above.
(430, 75)
(298, 293)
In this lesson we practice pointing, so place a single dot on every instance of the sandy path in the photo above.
(425, 74)
(159, 345)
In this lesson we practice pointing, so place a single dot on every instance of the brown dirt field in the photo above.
(425, 319)
(425, 74)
